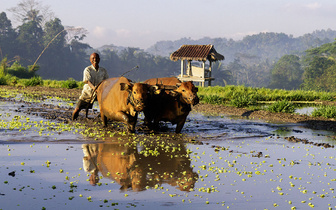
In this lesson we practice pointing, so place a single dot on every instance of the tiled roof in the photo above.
(196, 52)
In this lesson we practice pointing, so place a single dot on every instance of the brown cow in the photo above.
(121, 101)
(172, 106)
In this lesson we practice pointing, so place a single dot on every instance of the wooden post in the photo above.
(182, 68)
(210, 68)
(203, 66)
(189, 68)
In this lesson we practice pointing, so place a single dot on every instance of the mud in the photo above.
(273, 160)
(64, 114)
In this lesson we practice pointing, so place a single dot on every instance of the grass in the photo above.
(282, 106)
(38, 81)
(224, 95)
(241, 96)
(325, 111)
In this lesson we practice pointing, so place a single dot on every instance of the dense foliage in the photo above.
(282, 106)
(224, 95)
(251, 60)
(273, 60)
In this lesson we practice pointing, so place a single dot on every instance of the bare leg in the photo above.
(180, 125)
(75, 113)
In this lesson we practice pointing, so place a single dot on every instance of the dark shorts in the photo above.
(83, 104)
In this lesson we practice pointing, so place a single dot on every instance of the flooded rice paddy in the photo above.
(217, 162)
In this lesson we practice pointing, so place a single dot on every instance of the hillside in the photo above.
(261, 46)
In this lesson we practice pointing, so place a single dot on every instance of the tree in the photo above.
(31, 10)
(33, 15)
(30, 41)
(327, 81)
(287, 73)
(7, 37)
(319, 63)
(51, 34)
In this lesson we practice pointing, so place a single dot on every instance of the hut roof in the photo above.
(196, 52)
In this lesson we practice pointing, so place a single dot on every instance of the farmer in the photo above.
(92, 76)
(90, 162)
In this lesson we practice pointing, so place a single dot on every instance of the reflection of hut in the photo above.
(200, 53)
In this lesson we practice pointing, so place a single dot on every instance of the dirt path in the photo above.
(73, 94)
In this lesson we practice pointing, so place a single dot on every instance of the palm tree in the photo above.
(33, 15)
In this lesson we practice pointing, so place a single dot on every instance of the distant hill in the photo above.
(247, 62)
(111, 47)
(263, 46)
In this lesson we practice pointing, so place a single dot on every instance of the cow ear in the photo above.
(173, 93)
(124, 86)
(178, 84)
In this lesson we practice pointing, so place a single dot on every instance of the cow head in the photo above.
(188, 93)
(137, 94)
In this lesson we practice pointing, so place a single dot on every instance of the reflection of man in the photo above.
(90, 161)
(92, 76)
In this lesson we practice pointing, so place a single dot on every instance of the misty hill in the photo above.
(263, 46)
(111, 47)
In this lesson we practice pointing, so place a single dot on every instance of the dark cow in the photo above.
(171, 105)
(121, 100)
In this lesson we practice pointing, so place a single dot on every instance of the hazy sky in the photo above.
(141, 23)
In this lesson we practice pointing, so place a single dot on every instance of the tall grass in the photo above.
(325, 111)
(38, 81)
(282, 106)
(231, 93)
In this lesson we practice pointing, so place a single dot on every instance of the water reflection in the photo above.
(140, 166)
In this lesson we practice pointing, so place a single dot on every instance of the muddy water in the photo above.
(241, 164)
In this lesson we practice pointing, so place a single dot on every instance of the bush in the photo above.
(282, 106)
(3, 80)
(70, 84)
(212, 99)
(325, 111)
(19, 71)
(242, 100)
(34, 81)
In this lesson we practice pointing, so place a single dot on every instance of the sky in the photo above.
(142, 23)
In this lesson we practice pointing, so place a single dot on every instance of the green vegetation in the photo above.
(282, 106)
(241, 96)
(224, 95)
(70, 84)
(274, 60)
(325, 111)
(38, 81)
(34, 81)
(242, 100)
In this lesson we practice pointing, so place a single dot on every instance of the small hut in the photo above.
(201, 54)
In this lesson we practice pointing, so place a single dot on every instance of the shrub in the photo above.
(212, 99)
(19, 71)
(34, 81)
(282, 106)
(242, 100)
(3, 80)
(325, 111)
(70, 84)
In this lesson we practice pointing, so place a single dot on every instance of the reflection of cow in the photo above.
(138, 170)
(172, 106)
(121, 101)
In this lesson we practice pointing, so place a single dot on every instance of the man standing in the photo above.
(92, 76)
